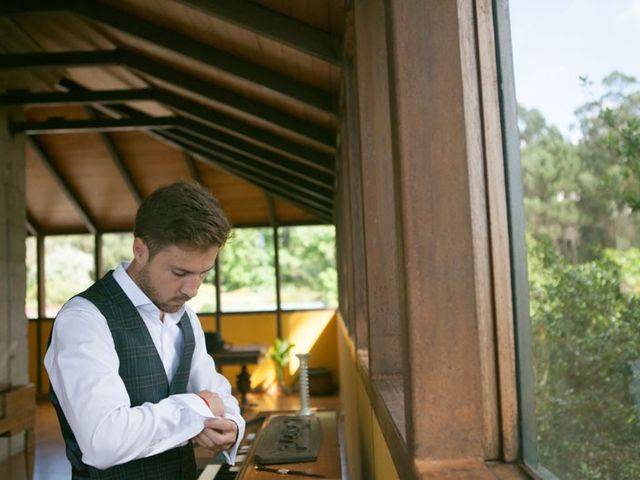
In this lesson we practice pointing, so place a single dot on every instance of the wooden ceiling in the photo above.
(119, 97)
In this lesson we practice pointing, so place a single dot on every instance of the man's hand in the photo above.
(214, 401)
(219, 434)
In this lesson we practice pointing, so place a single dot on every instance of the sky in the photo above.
(557, 41)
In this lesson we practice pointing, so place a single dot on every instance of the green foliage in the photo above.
(280, 355)
(116, 248)
(247, 260)
(584, 281)
(69, 268)
(31, 294)
(552, 180)
(307, 264)
(582, 195)
(586, 343)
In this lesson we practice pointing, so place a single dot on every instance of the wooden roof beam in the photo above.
(118, 161)
(32, 228)
(304, 187)
(190, 108)
(323, 212)
(79, 97)
(160, 71)
(62, 125)
(193, 168)
(274, 25)
(66, 188)
(184, 45)
(260, 158)
(271, 209)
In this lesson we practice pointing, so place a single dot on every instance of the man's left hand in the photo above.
(219, 434)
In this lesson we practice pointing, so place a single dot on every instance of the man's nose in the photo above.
(191, 285)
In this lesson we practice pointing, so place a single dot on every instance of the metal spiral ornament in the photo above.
(305, 408)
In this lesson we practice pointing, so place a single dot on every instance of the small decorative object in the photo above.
(305, 408)
(280, 356)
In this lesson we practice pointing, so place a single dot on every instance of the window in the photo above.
(247, 266)
(205, 301)
(116, 248)
(579, 119)
(31, 257)
(307, 267)
(69, 269)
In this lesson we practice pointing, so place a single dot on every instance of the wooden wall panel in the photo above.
(379, 196)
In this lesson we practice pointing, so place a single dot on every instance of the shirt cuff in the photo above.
(230, 454)
(195, 403)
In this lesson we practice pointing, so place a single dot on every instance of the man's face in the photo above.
(173, 275)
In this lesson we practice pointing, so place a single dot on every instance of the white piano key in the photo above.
(210, 472)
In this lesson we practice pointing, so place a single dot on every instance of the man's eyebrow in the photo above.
(189, 272)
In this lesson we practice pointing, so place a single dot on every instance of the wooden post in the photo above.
(439, 160)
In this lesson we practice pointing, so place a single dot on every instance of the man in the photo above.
(131, 379)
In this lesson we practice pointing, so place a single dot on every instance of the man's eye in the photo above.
(179, 274)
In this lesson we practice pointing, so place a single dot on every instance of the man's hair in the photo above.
(181, 213)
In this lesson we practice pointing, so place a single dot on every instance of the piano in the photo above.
(326, 465)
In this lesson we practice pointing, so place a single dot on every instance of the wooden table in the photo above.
(242, 355)
(327, 464)
(17, 414)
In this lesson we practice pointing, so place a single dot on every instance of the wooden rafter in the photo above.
(315, 182)
(271, 209)
(323, 212)
(193, 168)
(305, 189)
(118, 161)
(274, 25)
(191, 109)
(71, 195)
(184, 45)
(61, 125)
(166, 73)
(31, 226)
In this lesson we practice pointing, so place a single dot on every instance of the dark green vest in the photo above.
(144, 376)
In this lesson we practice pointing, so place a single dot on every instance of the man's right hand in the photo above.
(214, 401)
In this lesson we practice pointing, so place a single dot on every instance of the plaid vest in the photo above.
(144, 376)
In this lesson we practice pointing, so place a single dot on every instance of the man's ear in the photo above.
(140, 251)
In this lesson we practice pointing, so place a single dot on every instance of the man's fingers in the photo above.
(214, 402)
(221, 424)
(215, 439)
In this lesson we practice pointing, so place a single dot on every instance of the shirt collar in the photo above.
(137, 296)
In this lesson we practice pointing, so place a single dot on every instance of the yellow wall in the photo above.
(367, 454)
(310, 331)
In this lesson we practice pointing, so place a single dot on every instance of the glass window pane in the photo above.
(205, 301)
(31, 259)
(308, 267)
(69, 268)
(247, 272)
(579, 120)
(116, 248)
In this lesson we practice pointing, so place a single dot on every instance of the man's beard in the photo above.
(145, 284)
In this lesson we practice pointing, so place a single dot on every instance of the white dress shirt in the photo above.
(82, 364)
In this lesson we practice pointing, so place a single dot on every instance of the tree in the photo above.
(551, 172)
(611, 129)
(586, 337)
(583, 196)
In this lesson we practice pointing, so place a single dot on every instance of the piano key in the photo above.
(209, 472)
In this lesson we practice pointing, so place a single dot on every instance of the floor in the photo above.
(51, 462)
